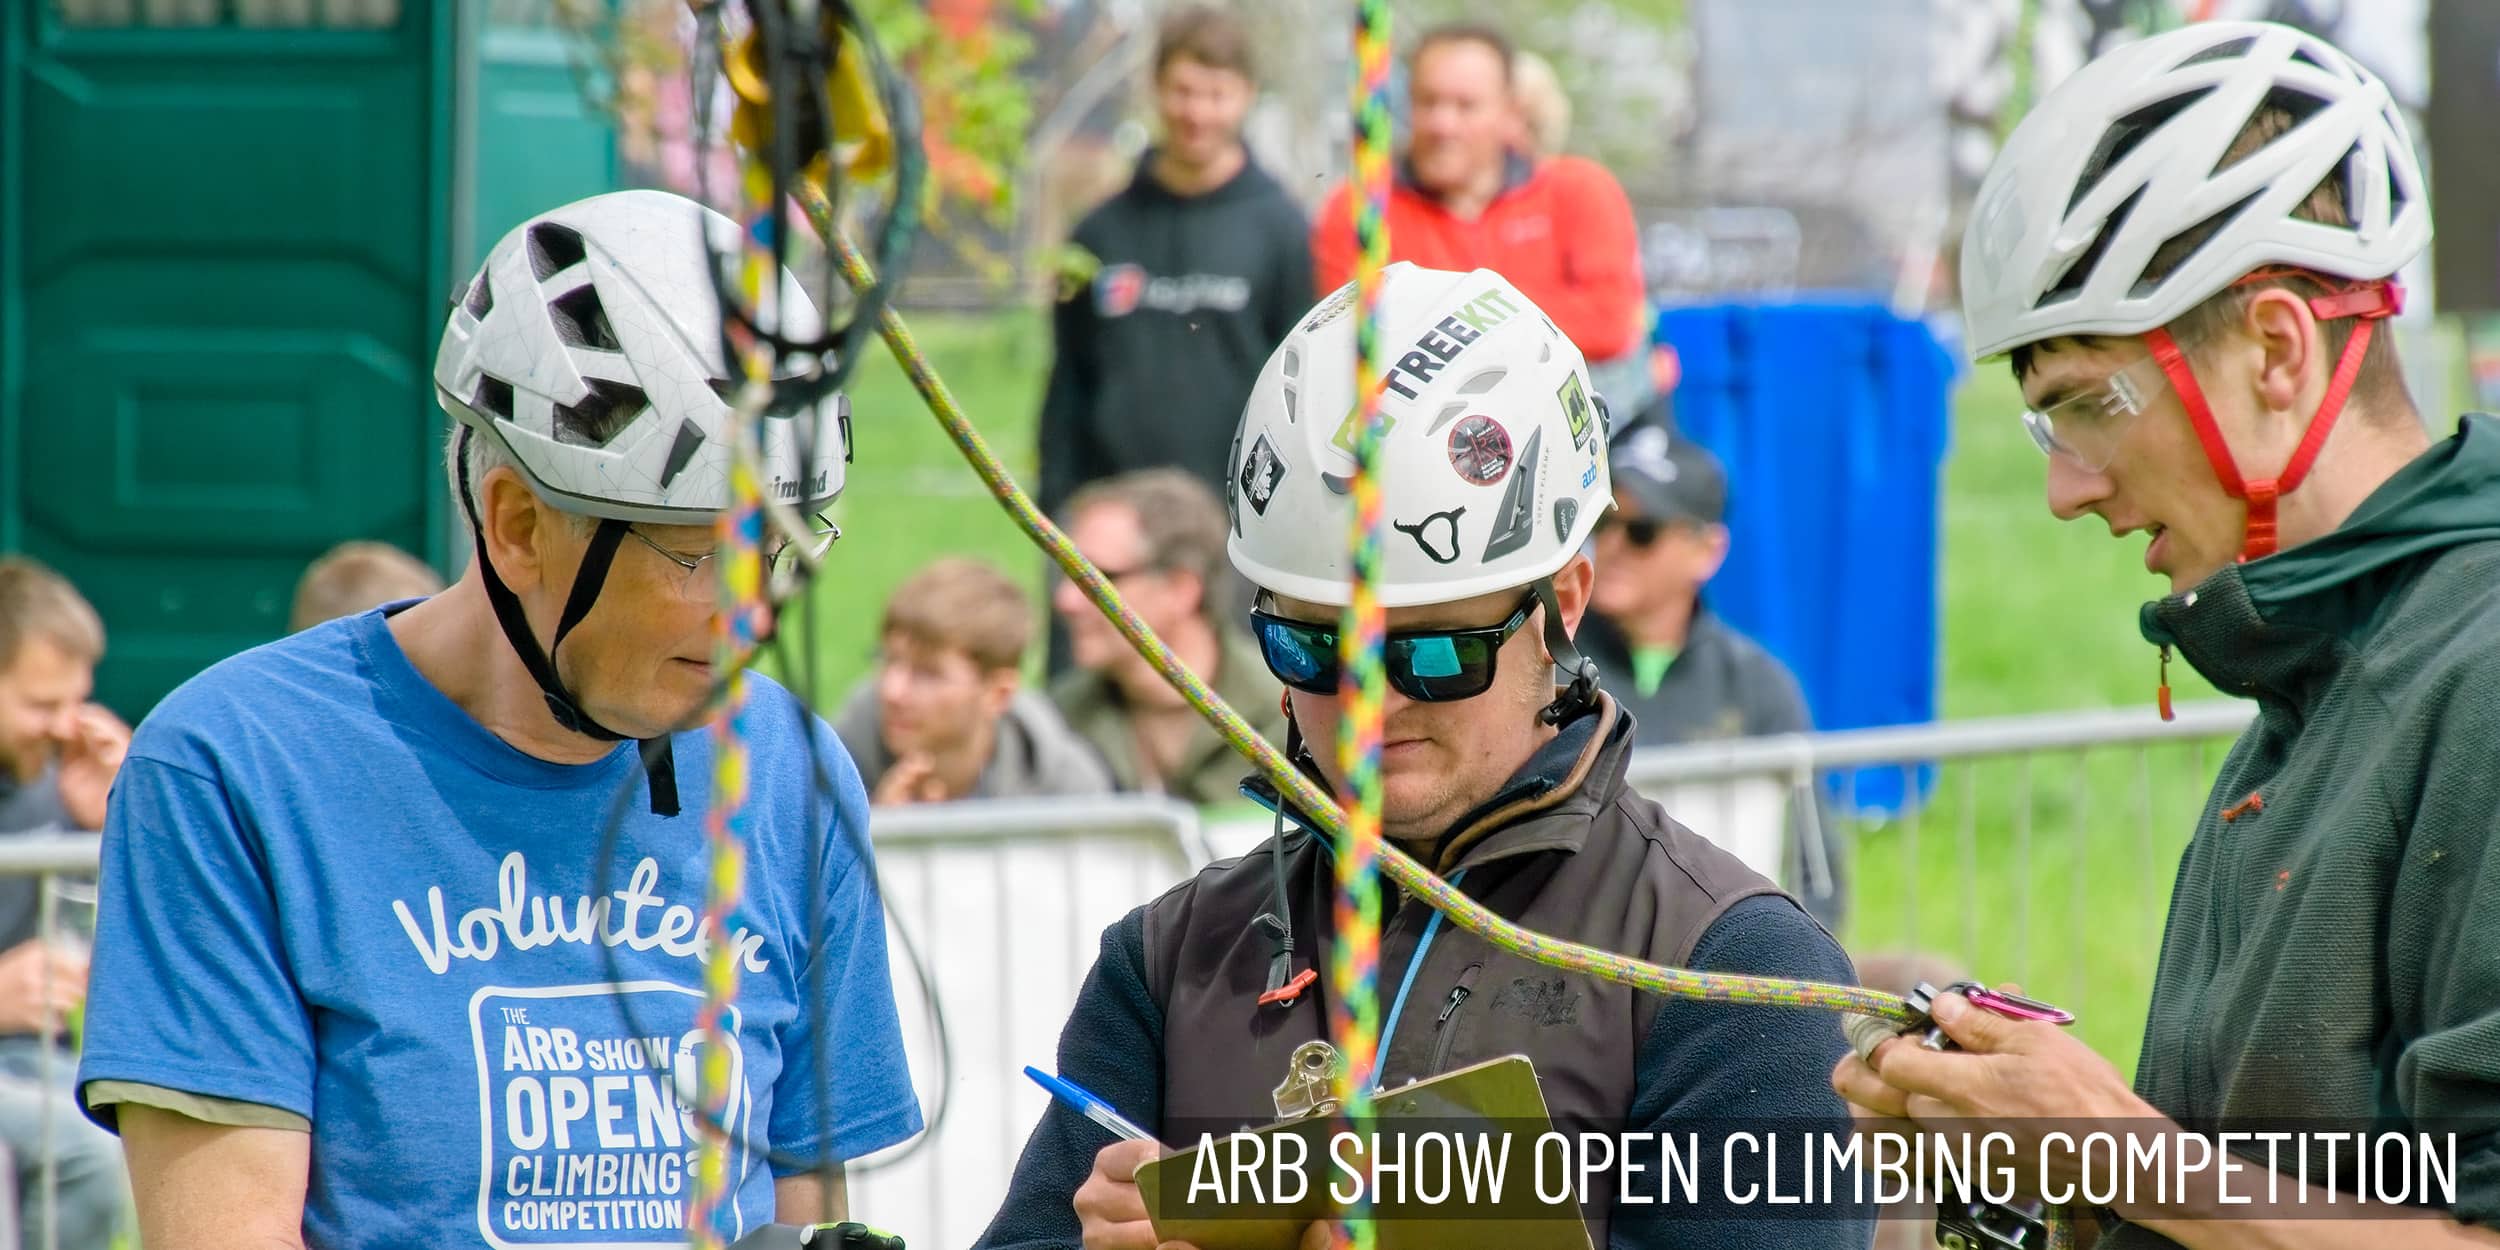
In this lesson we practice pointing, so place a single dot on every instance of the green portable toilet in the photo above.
(228, 232)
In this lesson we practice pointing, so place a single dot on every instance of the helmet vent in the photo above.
(2281, 114)
(580, 321)
(1293, 363)
(602, 414)
(2189, 242)
(2079, 275)
(481, 297)
(2228, 50)
(1491, 378)
(1293, 404)
(553, 249)
(726, 389)
(494, 395)
(2309, 58)
(2124, 135)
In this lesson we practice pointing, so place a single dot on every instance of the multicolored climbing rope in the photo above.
(738, 533)
(1354, 1000)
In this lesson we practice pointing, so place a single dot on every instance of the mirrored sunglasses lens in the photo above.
(1305, 659)
(1435, 670)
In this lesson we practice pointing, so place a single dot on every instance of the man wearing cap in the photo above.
(1684, 674)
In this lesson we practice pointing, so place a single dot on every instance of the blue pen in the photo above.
(1092, 1108)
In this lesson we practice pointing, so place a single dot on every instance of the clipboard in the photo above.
(1502, 1094)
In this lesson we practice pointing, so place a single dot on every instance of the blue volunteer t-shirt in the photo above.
(327, 889)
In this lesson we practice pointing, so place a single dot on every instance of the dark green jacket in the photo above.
(1208, 772)
(2333, 949)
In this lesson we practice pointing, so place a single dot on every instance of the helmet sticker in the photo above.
(1421, 532)
(1516, 522)
(1566, 510)
(1232, 498)
(1261, 472)
(1575, 406)
(1480, 450)
(1352, 426)
(1334, 308)
(1437, 347)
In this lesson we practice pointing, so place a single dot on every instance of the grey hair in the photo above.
(485, 455)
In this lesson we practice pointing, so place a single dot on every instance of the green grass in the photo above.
(2059, 880)
(911, 498)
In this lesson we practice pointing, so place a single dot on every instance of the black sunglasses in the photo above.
(1426, 665)
(1640, 531)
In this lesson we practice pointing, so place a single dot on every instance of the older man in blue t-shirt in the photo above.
(400, 942)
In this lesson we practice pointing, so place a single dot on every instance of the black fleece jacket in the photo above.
(1766, 1065)
(1169, 307)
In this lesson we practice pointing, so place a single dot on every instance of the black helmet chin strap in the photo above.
(657, 763)
(1578, 673)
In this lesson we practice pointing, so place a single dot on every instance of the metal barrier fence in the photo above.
(63, 866)
(1004, 904)
(2034, 849)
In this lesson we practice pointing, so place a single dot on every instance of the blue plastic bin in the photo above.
(1833, 419)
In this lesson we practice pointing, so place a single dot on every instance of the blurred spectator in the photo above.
(58, 752)
(1468, 195)
(355, 576)
(1174, 291)
(945, 715)
(58, 757)
(1158, 534)
(1684, 674)
(1544, 108)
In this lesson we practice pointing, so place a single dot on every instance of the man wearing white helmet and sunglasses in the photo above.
(2189, 250)
(1502, 769)
(402, 941)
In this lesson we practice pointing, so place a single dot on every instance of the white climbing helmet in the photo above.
(608, 303)
(1493, 462)
(2126, 154)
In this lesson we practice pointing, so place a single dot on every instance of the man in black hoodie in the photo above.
(1175, 290)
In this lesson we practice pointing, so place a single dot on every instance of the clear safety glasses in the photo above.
(786, 564)
(2087, 427)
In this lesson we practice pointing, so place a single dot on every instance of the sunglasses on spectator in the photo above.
(1426, 665)
(1640, 531)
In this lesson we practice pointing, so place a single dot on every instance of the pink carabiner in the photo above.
(2014, 1005)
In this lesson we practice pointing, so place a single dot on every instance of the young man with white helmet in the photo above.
(401, 943)
(1502, 769)
(2189, 250)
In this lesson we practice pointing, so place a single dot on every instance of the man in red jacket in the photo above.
(1465, 198)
